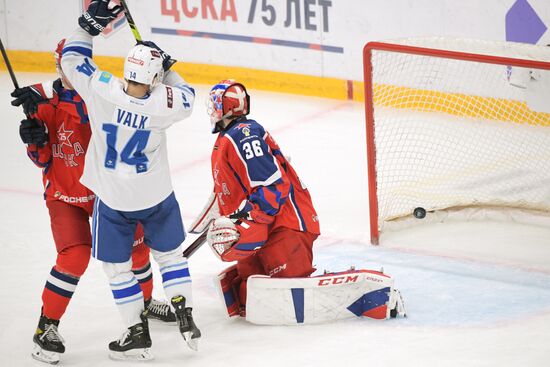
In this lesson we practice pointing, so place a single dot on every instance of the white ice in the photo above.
(477, 294)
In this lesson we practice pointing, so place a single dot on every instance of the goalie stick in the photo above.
(8, 65)
(193, 247)
(201, 224)
(130, 21)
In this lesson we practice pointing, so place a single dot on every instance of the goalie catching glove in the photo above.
(233, 240)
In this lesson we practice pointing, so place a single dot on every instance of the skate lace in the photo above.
(158, 308)
(52, 335)
(125, 335)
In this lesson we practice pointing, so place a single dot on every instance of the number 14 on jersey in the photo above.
(132, 153)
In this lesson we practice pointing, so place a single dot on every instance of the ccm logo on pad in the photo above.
(338, 280)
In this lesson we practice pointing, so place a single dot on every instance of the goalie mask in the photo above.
(227, 99)
(144, 65)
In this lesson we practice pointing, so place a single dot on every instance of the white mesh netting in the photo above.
(452, 133)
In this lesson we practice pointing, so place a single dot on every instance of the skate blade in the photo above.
(45, 356)
(155, 320)
(191, 343)
(139, 354)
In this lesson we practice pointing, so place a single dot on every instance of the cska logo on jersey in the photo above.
(63, 136)
(114, 26)
(243, 126)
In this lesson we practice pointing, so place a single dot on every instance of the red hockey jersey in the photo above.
(252, 175)
(62, 157)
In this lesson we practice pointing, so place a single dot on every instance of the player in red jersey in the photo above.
(57, 132)
(268, 223)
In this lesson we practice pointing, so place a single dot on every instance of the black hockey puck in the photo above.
(419, 212)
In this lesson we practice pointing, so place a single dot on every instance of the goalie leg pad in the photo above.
(245, 268)
(286, 253)
(330, 297)
(228, 282)
(396, 305)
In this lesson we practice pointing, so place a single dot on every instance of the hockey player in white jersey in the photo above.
(127, 167)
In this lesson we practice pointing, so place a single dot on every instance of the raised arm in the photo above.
(182, 92)
(77, 63)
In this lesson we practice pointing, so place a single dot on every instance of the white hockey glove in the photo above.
(222, 234)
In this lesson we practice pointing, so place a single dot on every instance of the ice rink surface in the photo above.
(477, 294)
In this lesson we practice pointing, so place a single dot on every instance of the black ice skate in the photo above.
(159, 310)
(134, 344)
(48, 343)
(188, 329)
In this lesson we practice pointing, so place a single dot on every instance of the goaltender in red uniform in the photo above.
(268, 223)
(261, 216)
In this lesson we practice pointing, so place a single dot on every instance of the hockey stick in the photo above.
(201, 224)
(130, 21)
(8, 65)
(192, 248)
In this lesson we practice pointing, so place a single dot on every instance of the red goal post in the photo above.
(448, 123)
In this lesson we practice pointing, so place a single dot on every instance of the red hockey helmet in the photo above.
(227, 99)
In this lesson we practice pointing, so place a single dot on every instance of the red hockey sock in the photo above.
(141, 267)
(145, 280)
(63, 279)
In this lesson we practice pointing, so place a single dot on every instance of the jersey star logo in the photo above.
(63, 136)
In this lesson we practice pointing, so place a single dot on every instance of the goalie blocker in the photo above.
(312, 300)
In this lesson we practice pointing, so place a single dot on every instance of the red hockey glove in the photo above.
(250, 211)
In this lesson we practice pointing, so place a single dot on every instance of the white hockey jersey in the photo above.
(126, 162)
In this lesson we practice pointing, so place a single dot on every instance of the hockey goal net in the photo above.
(456, 124)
